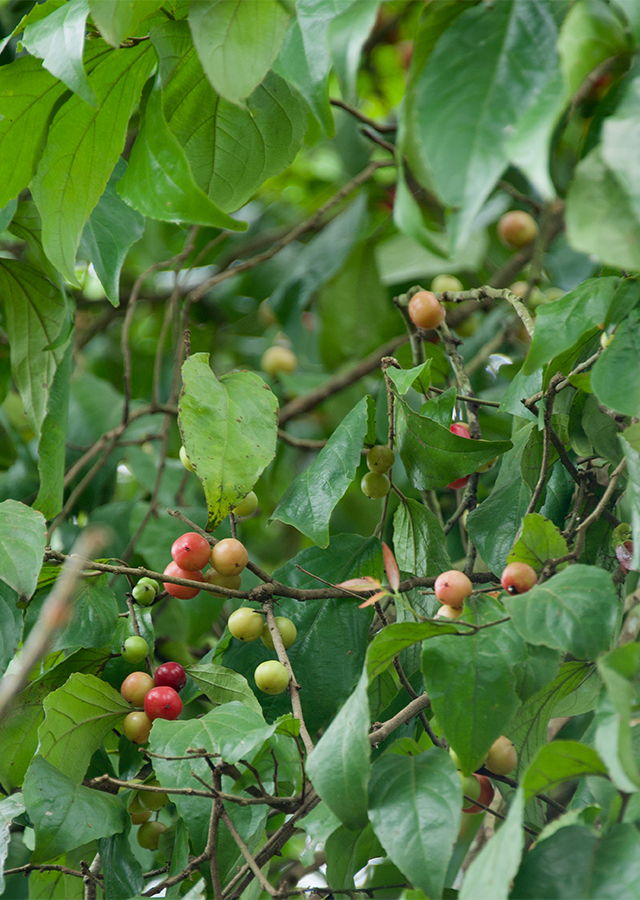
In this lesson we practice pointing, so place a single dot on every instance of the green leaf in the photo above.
(419, 541)
(602, 215)
(418, 376)
(77, 718)
(116, 21)
(415, 810)
(340, 762)
(576, 862)
(346, 35)
(615, 708)
(613, 378)
(470, 681)
(539, 540)
(559, 325)
(528, 730)
(237, 41)
(108, 235)
(591, 33)
(490, 873)
(311, 498)
(347, 852)
(433, 456)
(22, 543)
(508, 58)
(319, 261)
(10, 809)
(66, 815)
(122, 871)
(95, 613)
(332, 629)
(229, 430)
(402, 259)
(630, 441)
(238, 730)
(398, 636)
(58, 40)
(10, 625)
(51, 449)
(82, 148)
(159, 182)
(28, 94)
(174, 739)
(223, 685)
(557, 762)
(34, 313)
(575, 611)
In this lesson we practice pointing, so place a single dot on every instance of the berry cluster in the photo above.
(191, 552)
(156, 698)
(500, 760)
(453, 587)
(375, 484)
(247, 624)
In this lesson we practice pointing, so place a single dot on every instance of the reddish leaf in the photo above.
(365, 583)
(624, 553)
(371, 600)
(391, 567)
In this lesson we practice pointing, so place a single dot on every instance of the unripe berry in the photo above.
(145, 591)
(425, 310)
(134, 649)
(517, 228)
(184, 459)
(227, 581)
(380, 458)
(153, 800)
(518, 578)
(502, 757)
(229, 556)
(271, 677)
(448, 612)
(452, 587)
(287, 629)
(442, 283)
(486, 795)
(135, 687)
(137, 812)
(246, 624)
(137, 727)
(247, 506)
(278, 359)
(149, 834)
(375, 486)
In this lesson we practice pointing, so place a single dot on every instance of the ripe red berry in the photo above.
(459, 483)
(486, 794)
(170, 674)
(518, 578)
(191, 551)
(162, 703)
(180, 590)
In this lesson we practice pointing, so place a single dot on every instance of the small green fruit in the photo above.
(246, 624)
(442, 283)
(271, 677)
(149, 835)
(247, 506)
(184, 459)
(138, 813)
(135, 649)
(152, 800)
(374, 485)
(380, 458)
(287, 629)
(145, 591)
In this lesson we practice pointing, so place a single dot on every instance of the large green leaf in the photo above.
(470, 681)
(82, 148)
(237, 41)
(229, 429)
(419, 541)
(95, 613)
(19, 732)
(231, 150)
(35, 311)
(223, 685)
(76, 719)
(22, 543)
(415, 808)
(346, 34)
(489, 875)
(464, 112)
(58, 39)
(28, 94)
(66, 815)
(576, 862)
(591, 33)
(108, 235)
(613, 738)
(116, 21)
(159, 182)
(557, 762)
(340, 762)
(630, 441)
(122, 871)
(575, 611)
(614, 377)
(559, 325)
(312, 497)
(433, 456)
(332, 629)
(390, 641)
(52, 446)
(538, 541)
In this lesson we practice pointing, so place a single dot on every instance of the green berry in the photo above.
(380, 458)
(287, 629)
(246, 506)
(374, 485)
(135, 649)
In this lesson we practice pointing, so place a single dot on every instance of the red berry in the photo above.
(460, 428)
(486, 794)
(162, 703)
(459, 483)
(180, 590)
(191, 551)
(518, 578)
(170, 674)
